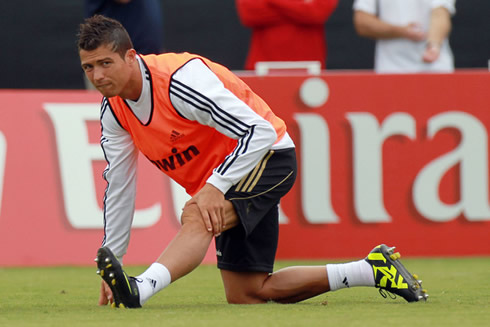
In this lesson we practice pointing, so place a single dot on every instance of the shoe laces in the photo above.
(385, 294)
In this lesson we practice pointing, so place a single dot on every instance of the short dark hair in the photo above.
(100, 30)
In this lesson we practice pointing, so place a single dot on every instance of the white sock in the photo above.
(357, 273)
(153, 280)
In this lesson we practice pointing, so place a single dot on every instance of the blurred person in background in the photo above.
(411, 35)
(143, 19)
(286, 30)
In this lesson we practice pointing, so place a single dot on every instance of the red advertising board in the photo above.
(395, 159)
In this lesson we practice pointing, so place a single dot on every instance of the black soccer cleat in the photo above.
(392, 276)
(123, 287)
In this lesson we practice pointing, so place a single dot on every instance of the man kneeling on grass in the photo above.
(205, 128)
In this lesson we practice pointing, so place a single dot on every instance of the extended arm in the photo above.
(198, 94)
(119, 200)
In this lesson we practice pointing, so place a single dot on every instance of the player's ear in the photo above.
(130, 56)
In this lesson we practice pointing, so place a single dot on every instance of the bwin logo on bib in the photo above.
(177, 158)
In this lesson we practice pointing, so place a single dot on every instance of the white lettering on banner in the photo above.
(3, 159)
(76, 157)
(472, 155)
(368, 139)
(76, 154)
(315, 163)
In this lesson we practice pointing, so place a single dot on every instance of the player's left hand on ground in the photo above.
(106, 296)
(211, 203)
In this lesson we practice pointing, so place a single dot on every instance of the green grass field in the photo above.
(459, 292)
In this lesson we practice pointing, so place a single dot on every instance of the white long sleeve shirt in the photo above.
(198, 82)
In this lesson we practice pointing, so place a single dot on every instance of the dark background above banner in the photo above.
(39, 46)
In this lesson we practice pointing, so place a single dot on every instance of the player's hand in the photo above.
(211, 203)
(105, 294)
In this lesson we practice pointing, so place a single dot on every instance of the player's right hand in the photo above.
(211, 203)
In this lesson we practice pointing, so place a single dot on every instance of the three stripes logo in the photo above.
(175, 136)
(152, 282)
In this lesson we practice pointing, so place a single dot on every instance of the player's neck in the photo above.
(133, 88)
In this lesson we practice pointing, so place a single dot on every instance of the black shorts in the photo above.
(252, 245)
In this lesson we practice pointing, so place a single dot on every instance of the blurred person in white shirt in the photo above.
(411, 36)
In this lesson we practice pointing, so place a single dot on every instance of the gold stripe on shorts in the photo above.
(266, 191)
(248, 183)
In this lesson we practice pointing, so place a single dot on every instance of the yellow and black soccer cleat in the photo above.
(123, 287)
(390, 275)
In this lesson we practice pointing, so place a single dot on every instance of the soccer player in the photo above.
(201, 125)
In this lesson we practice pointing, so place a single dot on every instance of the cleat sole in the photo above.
(123, 287)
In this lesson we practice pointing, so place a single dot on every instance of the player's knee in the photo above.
(191, 218)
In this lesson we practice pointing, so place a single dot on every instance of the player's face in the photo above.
(106, 70)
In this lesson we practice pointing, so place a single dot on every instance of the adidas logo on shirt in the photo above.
(175, 136)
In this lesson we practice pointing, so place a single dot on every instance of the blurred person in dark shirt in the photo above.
(143, 19)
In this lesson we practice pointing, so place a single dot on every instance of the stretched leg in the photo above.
(381, 269)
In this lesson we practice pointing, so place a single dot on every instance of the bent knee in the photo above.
(191, 216)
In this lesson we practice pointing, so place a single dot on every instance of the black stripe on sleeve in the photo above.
(203, 103)
(240, 149)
